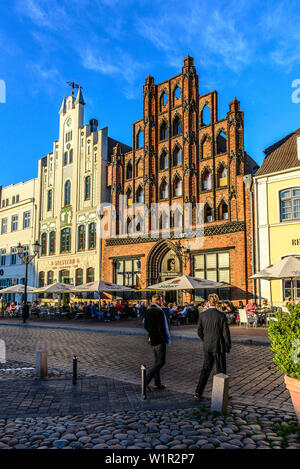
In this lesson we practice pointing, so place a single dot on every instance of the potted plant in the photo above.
(284, 333)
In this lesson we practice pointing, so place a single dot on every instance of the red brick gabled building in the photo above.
(182, 154)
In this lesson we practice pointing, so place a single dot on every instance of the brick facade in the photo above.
(206, 155)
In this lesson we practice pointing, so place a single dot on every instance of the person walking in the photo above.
(214, 331)
(156, 325)
(25, 312)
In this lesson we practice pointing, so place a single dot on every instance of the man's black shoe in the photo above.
(149, 388)
(161, 386)
(197, 396)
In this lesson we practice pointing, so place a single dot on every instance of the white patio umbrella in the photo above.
(100, 286)
(186, 282)
(57, 287)
(287, 268)
(18, 289)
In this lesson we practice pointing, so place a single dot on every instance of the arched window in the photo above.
(78, 277)
(52, 242)
(208, 213)
(205, 115)
(140, 195)
(177, 186)
(164, 221)
(65, 159)
(81, 238)
(87, 187)
(206, 148)
(129, 197)
(50, 277)
(140, 139)
(163, 131)
(222, 176)
(177, 92)
(223, 211)
(139, 223)
(67, 193)
(65, 240)
(221, 143)
(206, 180)
(49, 199)
(163, 100)
(138, 168)
(164, 163)
(177, 218)
(177, 126)
(71, 156)
(64, 276)
(164, 190)
(90, 274)
(44, 244)
(41, 279)
(129, 171)
(129, 227)
(92, 236)
(177, 156)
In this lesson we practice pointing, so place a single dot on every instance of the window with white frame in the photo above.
(4, 225)
(26, 220)
(13, 256)
(2, 256)
(290, 204)
(14, 222)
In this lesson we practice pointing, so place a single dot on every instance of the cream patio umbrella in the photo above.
(57, 287)
(17, 289)
(287, 268)
(100, 286)
(186, 282)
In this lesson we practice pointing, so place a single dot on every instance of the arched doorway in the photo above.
(164, 264)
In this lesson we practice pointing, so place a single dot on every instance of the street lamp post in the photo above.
(26, 258)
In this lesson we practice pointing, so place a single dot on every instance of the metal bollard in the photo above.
(74, 370)
(144, 390)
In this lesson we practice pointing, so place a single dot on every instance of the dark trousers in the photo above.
(160, 359)
(210, 359)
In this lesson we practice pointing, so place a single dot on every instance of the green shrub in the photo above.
(283, 333)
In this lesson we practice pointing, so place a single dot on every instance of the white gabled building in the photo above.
(18, 210)
(72, 184)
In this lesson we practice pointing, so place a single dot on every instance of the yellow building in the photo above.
(277, 205)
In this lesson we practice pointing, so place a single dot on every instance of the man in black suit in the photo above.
(157, 328)
(214, 331)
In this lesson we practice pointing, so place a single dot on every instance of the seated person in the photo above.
(251, 308)
(229, 310)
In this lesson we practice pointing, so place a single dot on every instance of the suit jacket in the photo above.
(155, 325)
(214, 331)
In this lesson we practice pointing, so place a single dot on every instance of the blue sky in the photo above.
(250, 50)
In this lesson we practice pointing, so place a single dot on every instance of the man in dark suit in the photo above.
(214, 331)
(157, 328)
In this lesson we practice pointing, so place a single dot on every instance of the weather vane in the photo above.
(73, 85)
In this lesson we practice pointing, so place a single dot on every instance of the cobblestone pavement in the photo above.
(253, 376)
(134, 327)
(104, 410)
(243, 428)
